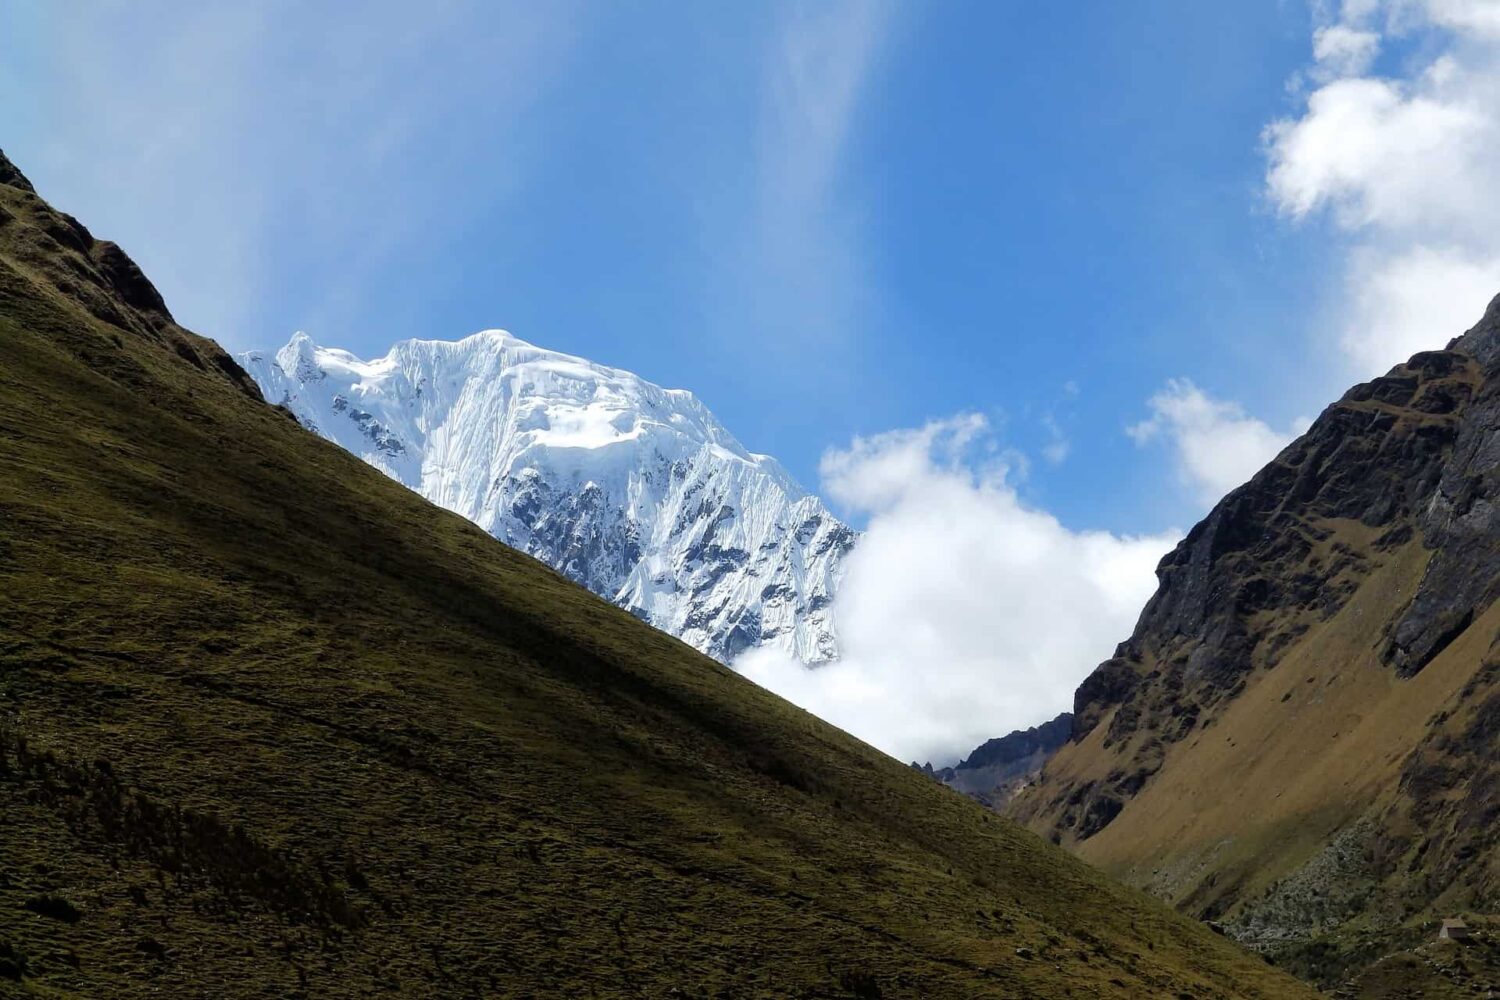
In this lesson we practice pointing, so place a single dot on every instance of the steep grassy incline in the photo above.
(272, 725)
(1300, 739)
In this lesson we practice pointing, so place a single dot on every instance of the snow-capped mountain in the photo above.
(634, 491)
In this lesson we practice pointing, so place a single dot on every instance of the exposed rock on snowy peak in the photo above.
(634, 491)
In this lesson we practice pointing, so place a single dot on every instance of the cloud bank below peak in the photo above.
(964, 613)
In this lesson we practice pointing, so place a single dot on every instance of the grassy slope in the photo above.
(272, 723)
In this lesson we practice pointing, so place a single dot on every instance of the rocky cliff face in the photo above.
(636, 492)
(1459, 520)
(1264, 567)
(1319, 657)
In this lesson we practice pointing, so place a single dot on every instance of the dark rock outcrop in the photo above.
(1021, 744)
(11, 176)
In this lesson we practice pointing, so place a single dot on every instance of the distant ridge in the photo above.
(1001, 767)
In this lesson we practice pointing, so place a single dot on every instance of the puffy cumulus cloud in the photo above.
(1381, 154)
(1405, 165)
(964, 612)
(1218, 445)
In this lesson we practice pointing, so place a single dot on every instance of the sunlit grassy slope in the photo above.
(275, 726)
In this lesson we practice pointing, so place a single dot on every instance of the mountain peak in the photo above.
(11, 176)
(300, 343)
(635, 491)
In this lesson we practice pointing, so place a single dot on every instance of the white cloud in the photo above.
(1405, 165)
(964, 613)
(1479, 16)
(1217, 445)
(1342, 50)
(1384, 154)
(1417, 300)
(1058, 447)
(815, 75)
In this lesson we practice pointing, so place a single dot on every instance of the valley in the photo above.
(275, 724)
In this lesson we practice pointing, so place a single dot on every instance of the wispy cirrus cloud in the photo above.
(236, 148)
(804, 243)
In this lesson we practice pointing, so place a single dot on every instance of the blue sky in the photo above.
(825, 219)
(1022, 288)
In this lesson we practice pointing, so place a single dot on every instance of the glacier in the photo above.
(634, 491)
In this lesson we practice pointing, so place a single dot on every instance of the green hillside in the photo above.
(272, 725)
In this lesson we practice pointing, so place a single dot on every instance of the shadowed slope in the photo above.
(274, 725)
